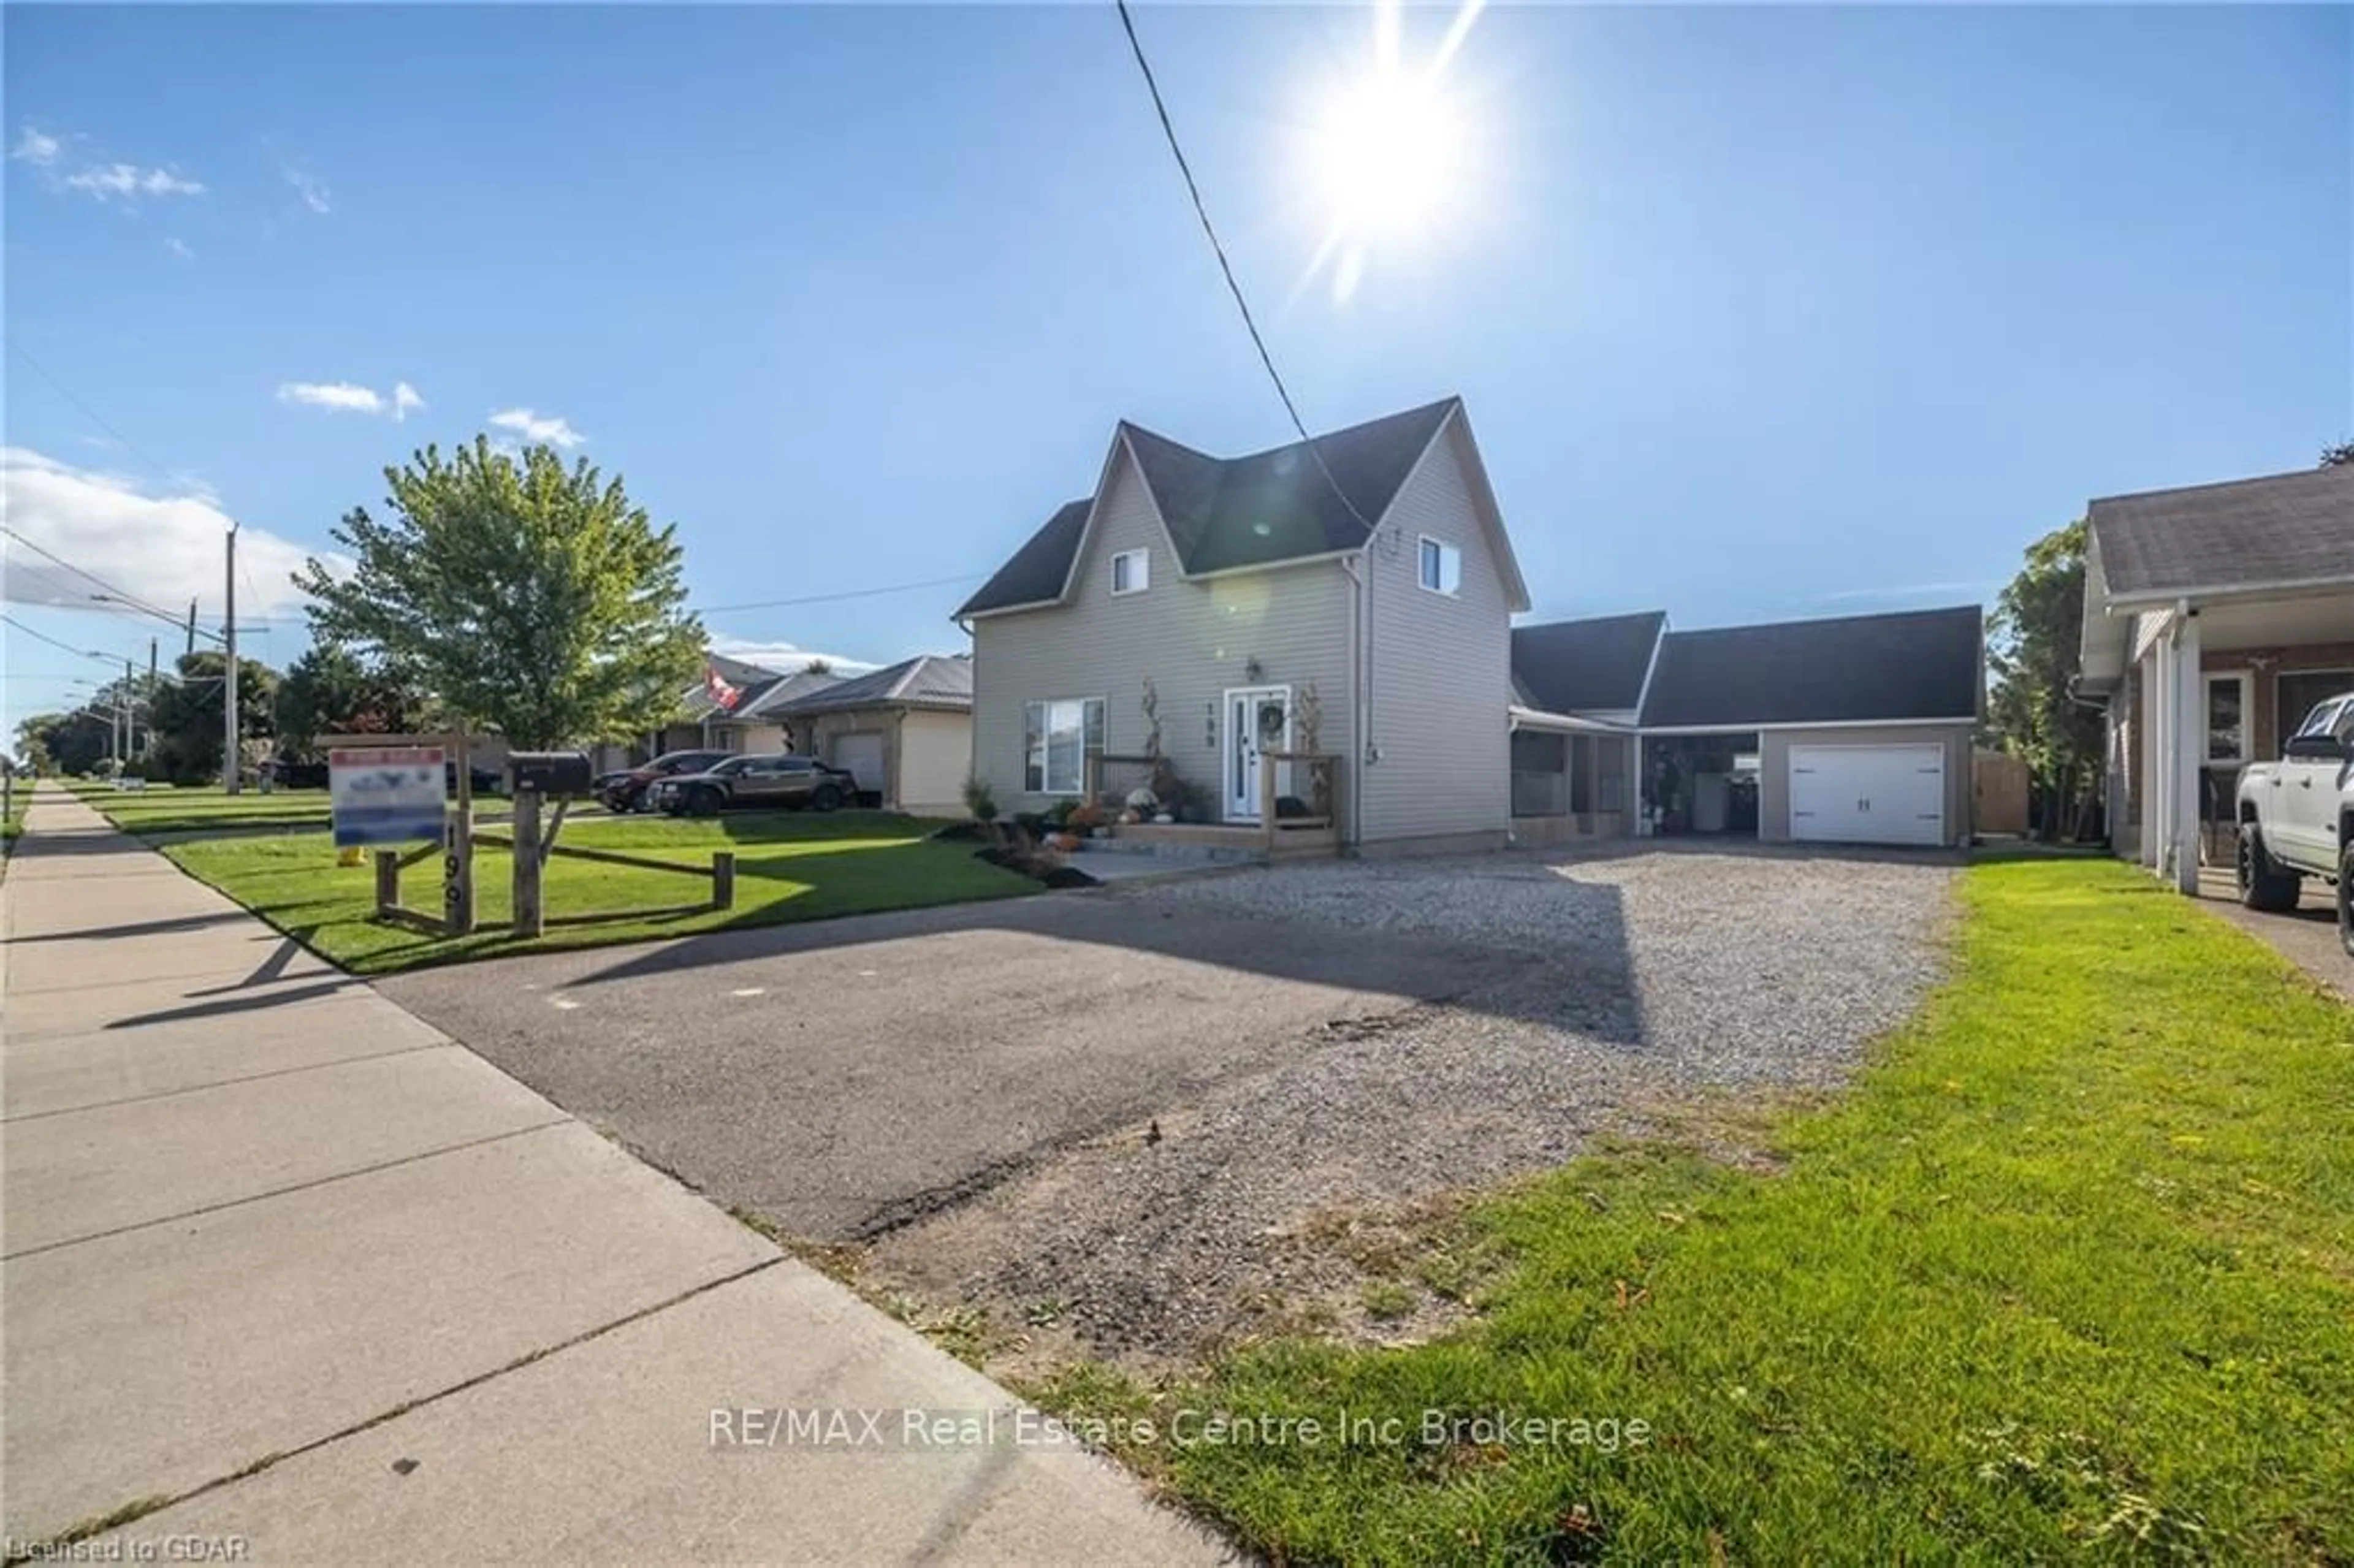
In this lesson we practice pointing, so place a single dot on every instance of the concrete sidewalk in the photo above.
(285, 1267)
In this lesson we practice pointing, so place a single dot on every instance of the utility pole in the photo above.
(192, 626)
(129, 696)
(151, 695)
(232, 774)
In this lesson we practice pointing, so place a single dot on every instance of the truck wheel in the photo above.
(826, 799)
(2346, 899)
(704, 803)
(2265, 884)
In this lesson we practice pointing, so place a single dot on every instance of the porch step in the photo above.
(1195, 853)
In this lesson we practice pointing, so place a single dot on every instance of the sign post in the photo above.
(530, 909)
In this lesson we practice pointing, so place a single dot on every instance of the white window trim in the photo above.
(1455, 592)
(1142, 556)
(1045, 766)
(2208, 680)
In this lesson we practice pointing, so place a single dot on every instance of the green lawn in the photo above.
(271, 853)
(2068, 1273)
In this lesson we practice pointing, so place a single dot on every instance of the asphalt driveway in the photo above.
(848, 1078)
(856, 1078)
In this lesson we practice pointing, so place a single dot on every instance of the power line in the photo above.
(93, 414)
(1234, 288)
(115, 594)
(44, 637)
(835, 597)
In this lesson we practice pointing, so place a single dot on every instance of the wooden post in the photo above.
(388, 882)
(1267, 799)
(458, 860)
(530, 913)
(722, 879)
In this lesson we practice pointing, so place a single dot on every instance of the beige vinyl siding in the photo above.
(1774, 770)
(1441, 666)
(1192, 640)
(935, 750)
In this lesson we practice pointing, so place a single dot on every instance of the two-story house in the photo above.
(1350, 597)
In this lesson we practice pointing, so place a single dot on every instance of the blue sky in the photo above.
(1758, 313)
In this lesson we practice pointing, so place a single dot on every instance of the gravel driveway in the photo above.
(1643, 975)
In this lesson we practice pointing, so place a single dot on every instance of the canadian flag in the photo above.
(717, 685)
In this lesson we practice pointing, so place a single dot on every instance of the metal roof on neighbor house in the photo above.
(1585, 666)
(1918, 664)
(926, 681)
(2283, 529)
(1227, 512)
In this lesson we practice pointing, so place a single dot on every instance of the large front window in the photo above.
(1060, 738)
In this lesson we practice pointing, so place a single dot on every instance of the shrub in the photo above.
(979, 799)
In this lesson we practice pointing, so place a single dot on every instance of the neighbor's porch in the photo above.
(2203, 696)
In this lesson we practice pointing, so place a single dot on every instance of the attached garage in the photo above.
(860, 753)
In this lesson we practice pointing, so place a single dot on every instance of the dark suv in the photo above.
(631, 791)
(775, 783)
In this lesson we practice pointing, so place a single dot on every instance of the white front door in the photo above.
(1258, 719)
(1868, 794)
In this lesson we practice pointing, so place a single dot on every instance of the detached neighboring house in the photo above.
(2215, 617)
(904, 730)
(1267, 612)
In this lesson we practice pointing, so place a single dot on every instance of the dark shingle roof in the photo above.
(2287, 528)
(1580, 666)
(1039, 568)
(1254, 510)
(1919, 664)
(926, 681)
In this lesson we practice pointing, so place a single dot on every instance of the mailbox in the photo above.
(550, 772)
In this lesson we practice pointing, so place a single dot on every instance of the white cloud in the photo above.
(179, 248)
(547, 429)
(786, 657)
(350, 398)
(164, 549)
(129, 182)
(36, 149)
(341, 396)
(313, 190)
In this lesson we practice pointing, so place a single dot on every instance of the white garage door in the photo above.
(863, 756)
(1868, 794)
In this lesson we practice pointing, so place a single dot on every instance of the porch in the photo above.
(1570, 778)
(1299, 804)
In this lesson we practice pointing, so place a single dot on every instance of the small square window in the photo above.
(1442, 568)
(1131, 571)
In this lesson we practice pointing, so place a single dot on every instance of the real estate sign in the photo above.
(387, 795)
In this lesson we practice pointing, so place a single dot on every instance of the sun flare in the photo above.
(1389, 151)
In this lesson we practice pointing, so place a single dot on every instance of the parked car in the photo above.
(2297, 815)
(629, 790)
(484, 781)
(776, 781)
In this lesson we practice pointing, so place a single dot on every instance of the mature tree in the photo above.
(331, 690)
(2342, 453)
(64, 743)
(186, 719)
(819, 666)
(2035, 653)
(522, 596)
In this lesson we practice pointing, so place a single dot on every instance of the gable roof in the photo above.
(750, 680)
(756, 705)
(2281, 530)
(1917, 664)
(926, 681)
(1227, 513)
(1582, 666)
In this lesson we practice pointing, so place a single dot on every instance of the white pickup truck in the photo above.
(2297, 815)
